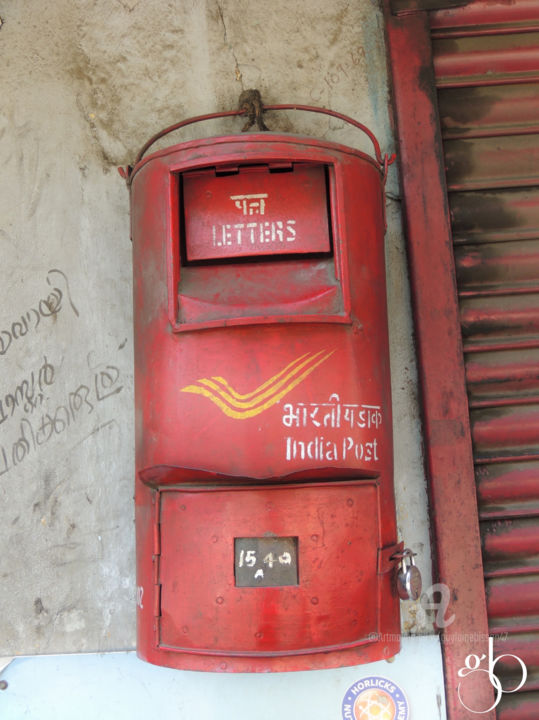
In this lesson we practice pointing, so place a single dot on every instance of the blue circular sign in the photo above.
(375, 698)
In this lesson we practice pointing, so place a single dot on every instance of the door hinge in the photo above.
(386, 561)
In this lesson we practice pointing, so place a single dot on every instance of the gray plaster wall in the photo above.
(84, 83)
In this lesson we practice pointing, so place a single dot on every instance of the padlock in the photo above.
(408, 577)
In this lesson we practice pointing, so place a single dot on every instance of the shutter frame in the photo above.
(481, 70)
(447, 438)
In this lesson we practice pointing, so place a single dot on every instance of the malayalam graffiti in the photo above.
(36, 430)
(47, 307)
(29, 393)
(30, 416)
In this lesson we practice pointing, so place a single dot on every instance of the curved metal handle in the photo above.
(384, 161)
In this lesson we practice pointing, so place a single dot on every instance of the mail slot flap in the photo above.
(259, 570)
(255, 211)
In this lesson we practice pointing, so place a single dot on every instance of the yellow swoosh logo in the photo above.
(242, 406)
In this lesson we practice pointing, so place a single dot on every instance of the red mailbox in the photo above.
(265, 513)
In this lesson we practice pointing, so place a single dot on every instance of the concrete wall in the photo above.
(84, 84)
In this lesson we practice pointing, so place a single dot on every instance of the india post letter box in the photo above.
(265, 512)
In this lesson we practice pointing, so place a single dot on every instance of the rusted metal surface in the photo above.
(513, 602)
(485, 56)
(486, 60)
(500, 110)
(511, 547)
(448, 451)
(508, 489)
(524, 645)
(484, 17)
(401, 7)
(506, 377)
(492, 162)
(505, 432)
(500, 321)
(498, 268)
(522, 706)
(495, 216)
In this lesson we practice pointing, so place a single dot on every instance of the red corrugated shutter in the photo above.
(486, 64)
